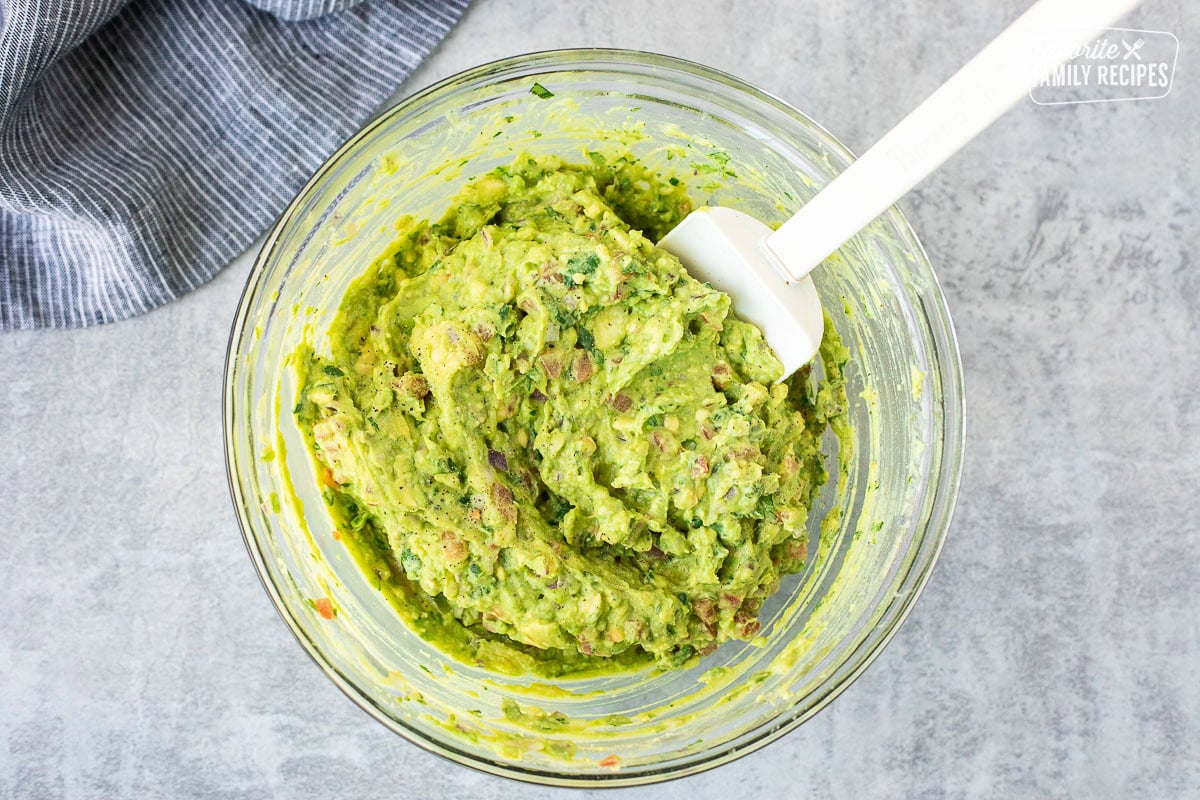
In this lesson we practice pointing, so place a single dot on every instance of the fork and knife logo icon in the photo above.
(1132, 49)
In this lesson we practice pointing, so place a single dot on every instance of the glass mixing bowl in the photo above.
(874, 534)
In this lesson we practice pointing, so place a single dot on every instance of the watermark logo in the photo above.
(1117, 64)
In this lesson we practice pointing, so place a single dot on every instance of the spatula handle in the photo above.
(999, 76)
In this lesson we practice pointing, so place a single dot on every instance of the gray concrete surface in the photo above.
(1055, 653)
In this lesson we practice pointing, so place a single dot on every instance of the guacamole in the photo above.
(540, 432)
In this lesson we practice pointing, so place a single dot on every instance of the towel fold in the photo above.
(145, 144)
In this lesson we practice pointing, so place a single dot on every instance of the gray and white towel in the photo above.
(145, 144)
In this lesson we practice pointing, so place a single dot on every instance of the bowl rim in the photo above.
(945, 493)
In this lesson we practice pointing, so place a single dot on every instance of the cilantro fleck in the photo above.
(411, 562)
(541, 91)
(765, 508)
(563, 317)
(586, 340)
(583, 264)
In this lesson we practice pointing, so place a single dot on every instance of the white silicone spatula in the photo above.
(766, 272)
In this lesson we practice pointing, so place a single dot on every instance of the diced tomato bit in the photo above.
(609, 761)
(582, 368)
(324, 607)
(327, 478)
(454, 547)
(551, 364)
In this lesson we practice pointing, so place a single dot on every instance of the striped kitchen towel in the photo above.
(144, 144)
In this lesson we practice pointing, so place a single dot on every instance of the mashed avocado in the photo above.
(545, 438)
